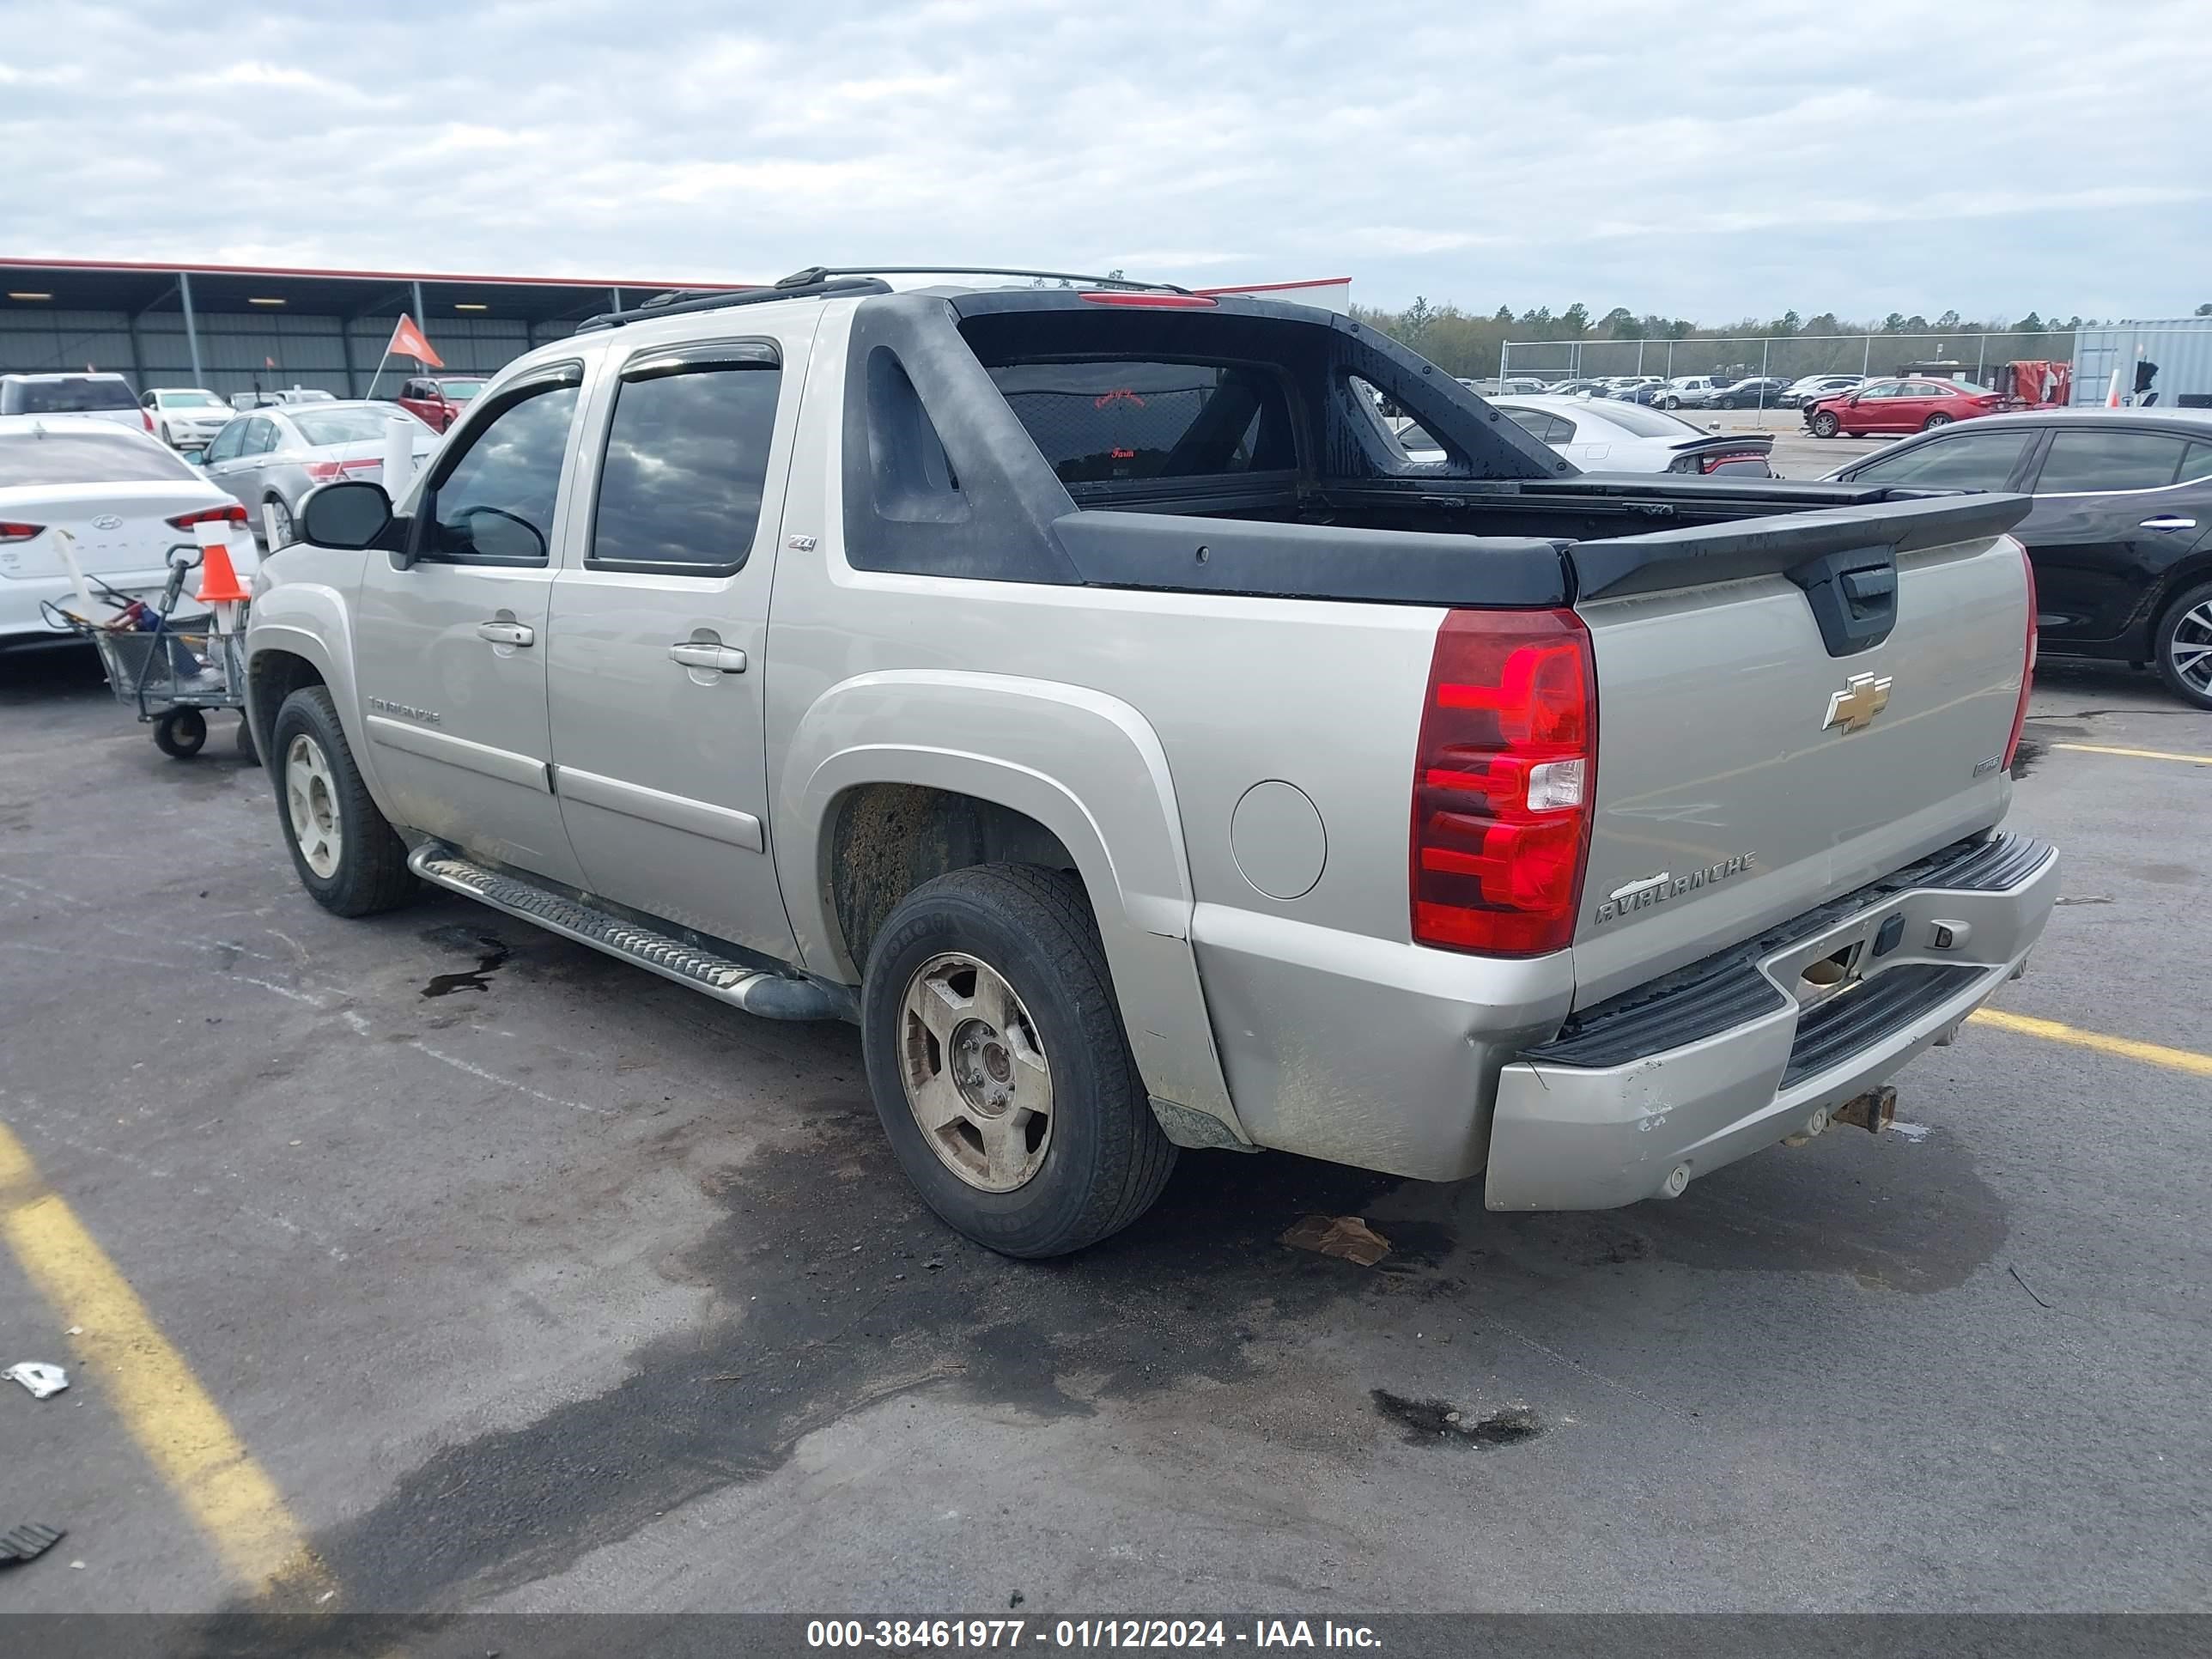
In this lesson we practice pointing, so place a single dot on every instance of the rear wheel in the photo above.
(1825, 425)
(2184, 645)
(274, 508)
(349, 858)
(999, 1066)
(1935, 421)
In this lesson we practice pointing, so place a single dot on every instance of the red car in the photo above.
(1908, 405)
(438, 402)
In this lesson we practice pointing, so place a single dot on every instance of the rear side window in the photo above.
(87, 458)
(2196, 465)
(1110, 421)
(73, 395)
(686, 463)
(2094, 462)
(1545, 428)
(1971, 460)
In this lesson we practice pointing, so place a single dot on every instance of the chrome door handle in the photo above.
(2169, 521)
(507, 633)
(695, 653)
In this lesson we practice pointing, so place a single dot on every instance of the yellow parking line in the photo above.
(2151, 1054)
(2136, 754)
(121, 1354)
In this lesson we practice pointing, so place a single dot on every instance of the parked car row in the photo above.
(2120, 538)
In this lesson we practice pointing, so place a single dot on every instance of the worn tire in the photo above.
(371, 874)
(2165, 636)
(1107, 1159)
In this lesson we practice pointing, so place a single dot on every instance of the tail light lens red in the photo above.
(1715, 463)
(11, 531)
(1504, 780)
(234, 514)
(2027, 665)
(147, 415)
(324, 472)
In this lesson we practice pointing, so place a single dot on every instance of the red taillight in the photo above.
(1502, 782)
(1154, 301)
(324, 471)
(1715, 463)
(147, 415)
(19, 532)
(2027, 665)
(233, 513)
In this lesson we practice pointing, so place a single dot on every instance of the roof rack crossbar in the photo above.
(814, 273)
(836, 285)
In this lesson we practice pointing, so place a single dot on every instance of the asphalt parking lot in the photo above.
(471, 1269)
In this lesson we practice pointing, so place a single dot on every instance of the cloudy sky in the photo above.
(1709, 160)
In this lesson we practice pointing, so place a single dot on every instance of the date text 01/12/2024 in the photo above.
(1084, 1633)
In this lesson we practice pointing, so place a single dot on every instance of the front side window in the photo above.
(1971, 460)
(1119, 419)
(2094, 462)
(686, 464)
(227, 443)
(493, 500)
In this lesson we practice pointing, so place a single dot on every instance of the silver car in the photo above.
(273, 457)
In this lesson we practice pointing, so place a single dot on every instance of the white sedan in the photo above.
(1610, 437)
(124, 498)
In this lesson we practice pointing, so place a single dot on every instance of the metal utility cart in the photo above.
(172, 674)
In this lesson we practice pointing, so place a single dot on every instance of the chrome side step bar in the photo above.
(771, 995)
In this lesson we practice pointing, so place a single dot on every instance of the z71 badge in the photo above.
(1657, 889)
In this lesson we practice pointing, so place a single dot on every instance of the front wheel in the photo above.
(999, 1066)
(349, 858)
(2184, 646)
(1825, 425)
(1672, 403)
(1935, 421)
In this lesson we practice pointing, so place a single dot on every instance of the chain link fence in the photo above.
(2180, 352)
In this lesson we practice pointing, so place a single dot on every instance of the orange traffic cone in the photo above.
(218, 580)
(2112, 395)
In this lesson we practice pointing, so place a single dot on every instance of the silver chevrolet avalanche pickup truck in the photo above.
(1082, 690)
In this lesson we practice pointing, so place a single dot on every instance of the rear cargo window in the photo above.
(1110, 420)
(72, 395)
(352, 426)
(86, 457)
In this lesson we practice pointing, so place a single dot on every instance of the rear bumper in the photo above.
(23, 617)
(1674, 1079)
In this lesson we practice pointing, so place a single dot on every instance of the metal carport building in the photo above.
(233, 328)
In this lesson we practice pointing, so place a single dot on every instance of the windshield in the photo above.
(460, 392)
(113, 456)
(74, 396)
(190, 400)
(350, 425)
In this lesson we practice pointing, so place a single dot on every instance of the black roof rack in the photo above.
(677, 304)
(814, 273)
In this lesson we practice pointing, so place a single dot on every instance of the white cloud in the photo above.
(1859, 158)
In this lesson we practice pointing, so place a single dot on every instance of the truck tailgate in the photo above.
(1756, 755)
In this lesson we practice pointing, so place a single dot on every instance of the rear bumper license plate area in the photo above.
(1639, 1095)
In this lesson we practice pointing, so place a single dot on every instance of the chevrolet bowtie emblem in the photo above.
(1855, 706)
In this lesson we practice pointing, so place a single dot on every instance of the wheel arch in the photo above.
(1015, 768)
(298, 633)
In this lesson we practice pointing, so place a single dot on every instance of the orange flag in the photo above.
(408, 341)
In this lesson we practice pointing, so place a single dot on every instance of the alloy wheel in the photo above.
(975, 1072)
(312, 801)
(2189, 648)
